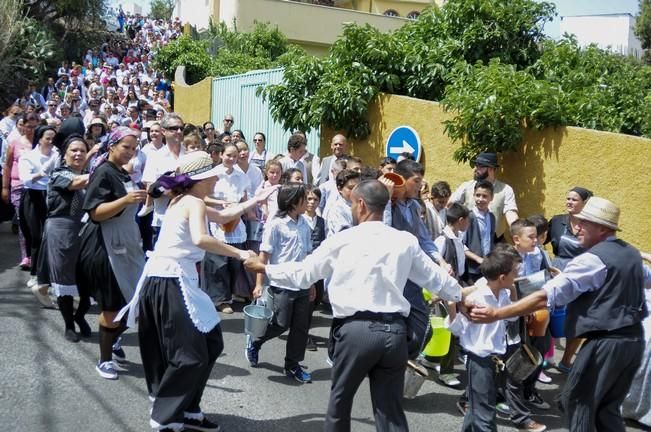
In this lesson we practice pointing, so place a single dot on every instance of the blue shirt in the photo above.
(422, 233)
(531, 263)
(484, 224)
(287, 240)
(338, 216)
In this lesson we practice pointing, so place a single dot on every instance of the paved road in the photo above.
(49, 384)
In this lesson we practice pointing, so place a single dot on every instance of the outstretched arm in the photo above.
(525, 306)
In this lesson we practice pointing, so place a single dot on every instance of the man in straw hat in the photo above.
(603, 289)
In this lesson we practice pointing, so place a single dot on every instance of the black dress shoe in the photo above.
(84, 328)
(71, 335)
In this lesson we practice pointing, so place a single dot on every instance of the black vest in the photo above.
(619, 302)
(450, 256)
(318, 233)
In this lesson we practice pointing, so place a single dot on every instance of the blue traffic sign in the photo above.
(403, 139)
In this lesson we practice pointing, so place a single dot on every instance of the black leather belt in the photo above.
(375, 316)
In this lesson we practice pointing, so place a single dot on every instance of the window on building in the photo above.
(391, 13)
(413, 14)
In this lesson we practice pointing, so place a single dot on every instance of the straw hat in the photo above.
(98, 121)
(600, 211)
(196, 165)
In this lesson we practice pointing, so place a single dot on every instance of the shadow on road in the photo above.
(302, 423)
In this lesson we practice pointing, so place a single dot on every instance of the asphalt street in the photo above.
(49, 384)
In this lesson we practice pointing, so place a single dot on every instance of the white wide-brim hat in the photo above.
(197, 165)
(601, 211)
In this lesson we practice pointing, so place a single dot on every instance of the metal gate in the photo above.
(236, 95)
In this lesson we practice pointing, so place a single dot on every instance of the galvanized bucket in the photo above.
(256, 320)
(415, 376)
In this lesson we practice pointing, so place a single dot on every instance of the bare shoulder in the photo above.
(187, 205)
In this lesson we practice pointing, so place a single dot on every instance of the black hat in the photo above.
(486, 159)
(69, 126)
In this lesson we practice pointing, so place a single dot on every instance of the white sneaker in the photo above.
(31, 282)
(145, 210)
(40, 292)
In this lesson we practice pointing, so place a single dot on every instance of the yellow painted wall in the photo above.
(403, 7)
(548, 163)
(313, 27)
(193, 102)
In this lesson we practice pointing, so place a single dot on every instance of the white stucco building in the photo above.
(614, 32)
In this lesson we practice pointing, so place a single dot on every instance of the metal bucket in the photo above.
(415, 376)
(256, 320)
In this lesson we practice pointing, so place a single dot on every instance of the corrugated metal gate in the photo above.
(236, 95)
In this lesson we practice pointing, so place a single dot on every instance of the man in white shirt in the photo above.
(162, 161)
(503, 205)
(329, 189)
(228, 122)
(368, 267)
(296, 148)
(8, 124)
(51, 112)
(338, 216)
(339, 147)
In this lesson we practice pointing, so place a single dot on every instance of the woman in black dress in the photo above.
(65, 196)
(563, 228)
(565, 245)
(111, 258)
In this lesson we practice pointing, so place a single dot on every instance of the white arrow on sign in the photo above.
(405, 148)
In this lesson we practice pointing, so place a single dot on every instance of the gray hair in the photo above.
(167, 119)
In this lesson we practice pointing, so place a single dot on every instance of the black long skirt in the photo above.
(176, 356)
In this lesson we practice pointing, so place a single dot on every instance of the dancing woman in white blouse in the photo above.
(178, 326)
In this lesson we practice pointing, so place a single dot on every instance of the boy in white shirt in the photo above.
(483, 343)
(525, 240)
(451, 248)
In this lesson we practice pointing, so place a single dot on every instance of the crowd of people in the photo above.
(167, 224)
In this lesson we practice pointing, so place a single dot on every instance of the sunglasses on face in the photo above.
(174, 128)
(228, 120)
